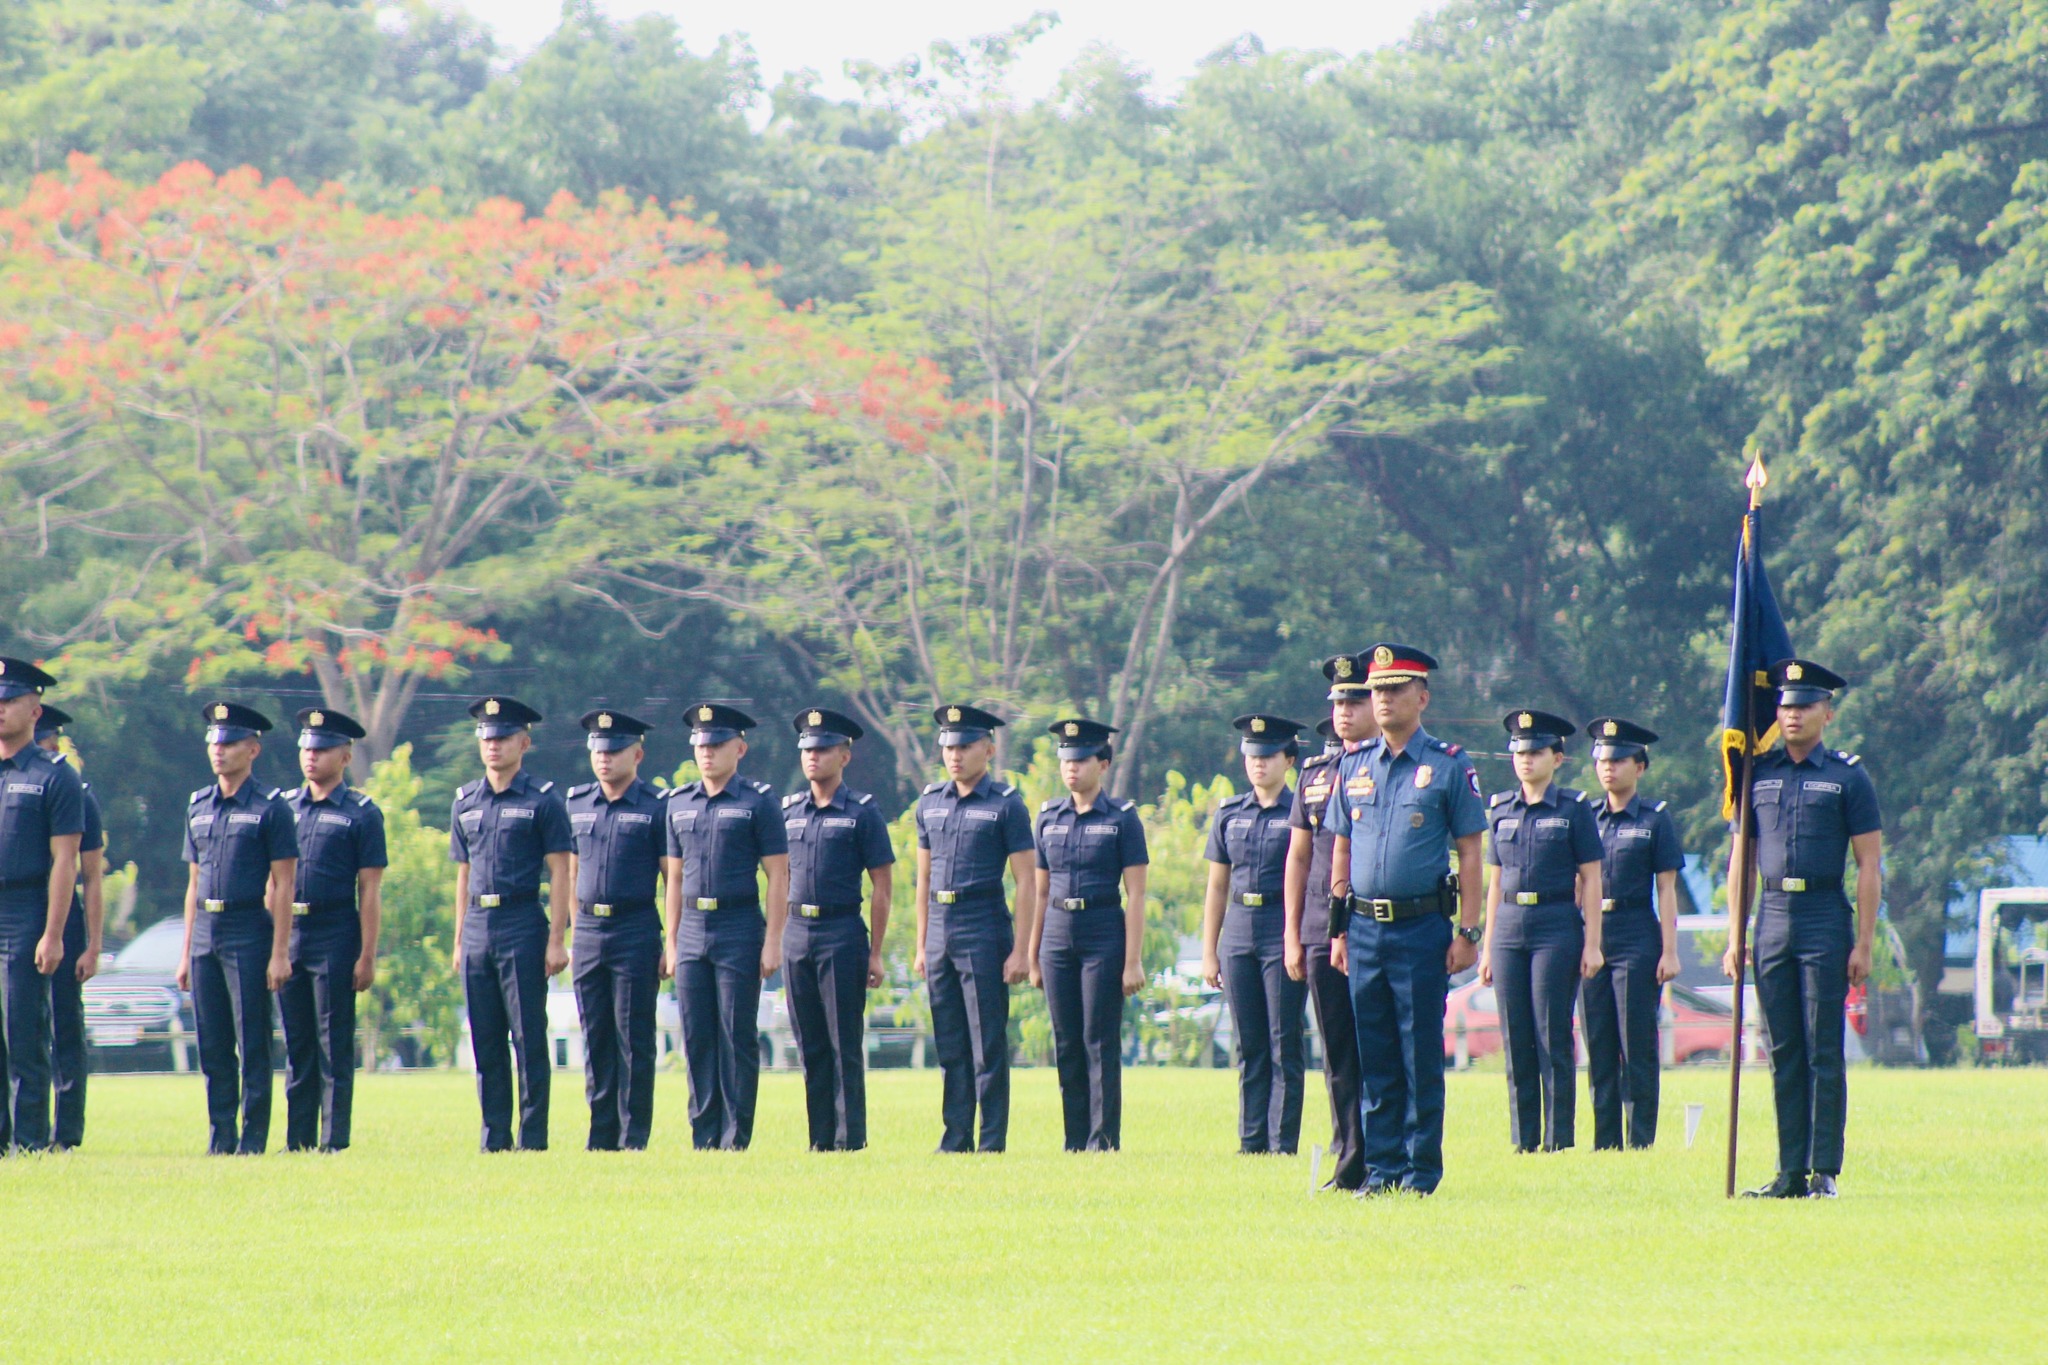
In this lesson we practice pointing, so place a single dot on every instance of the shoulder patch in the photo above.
(1500, 798)
(1660, 805)
(1851, 759)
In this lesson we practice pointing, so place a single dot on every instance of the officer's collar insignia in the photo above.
(1612, 729)
(1424, 775)
(491, 707)
(1383, 656)
(1072, 729)
(1258, 726)
(1793, 672)
(220, 712)
(704, 713)
(817, 717)
(604, 720)
(953, 714)
(1526, 721)
(1343, 667)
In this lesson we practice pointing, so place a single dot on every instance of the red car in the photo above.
(1697, 1025)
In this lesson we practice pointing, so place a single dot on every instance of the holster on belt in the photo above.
(1447, 894)
(1340, 915)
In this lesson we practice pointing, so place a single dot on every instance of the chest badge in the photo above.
(1424, 775)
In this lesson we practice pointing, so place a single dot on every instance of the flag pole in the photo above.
(1739, 894)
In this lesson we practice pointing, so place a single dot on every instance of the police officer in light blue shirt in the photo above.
(1244, 933)
(621, 837)
(42, 820)
(1812, 809)
(1087, 951)
(506, 830)
(724, 830)
(1641, 858)
(336, 911)
(829, 957)
(969, 828)
(82, 929)
(1542, 928)
(244, 852)
(1405, 800)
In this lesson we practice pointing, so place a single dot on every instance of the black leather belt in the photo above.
(1079, 903)
(616, 909)
(301, 909)
(1387, 911)
(222, 907)
(508, 900)
(1538, 898)
(988, 893)
(1798, 884)
(1608, 907)
(1257, 900)
(808, 911)
(709, 904)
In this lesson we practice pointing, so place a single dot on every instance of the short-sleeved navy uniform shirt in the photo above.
(95, 837)
(1538, 846)
(1806, 813)
(1402, 812)
(619, 844)
(506, 836)
(41, 798)
(1252, 840)
(723, 838)
(1311, 803)
(338, 837)
(1638, 841)
(233, 840)
(1084, 853)
(972, 837)
(830, 846)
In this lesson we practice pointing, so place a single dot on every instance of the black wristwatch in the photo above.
(1472, 935)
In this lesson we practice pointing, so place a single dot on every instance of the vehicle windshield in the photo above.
(1692, 999)
(155, 949)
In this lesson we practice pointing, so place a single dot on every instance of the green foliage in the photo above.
(416, 987)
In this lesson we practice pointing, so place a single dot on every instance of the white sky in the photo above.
(1166, 37)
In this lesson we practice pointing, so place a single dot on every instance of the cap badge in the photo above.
(220, 712)
(604, 720)
(953, 715)
(1258, 725)
(1343, 667)
(1072, 729)
(817, 718)
(1526, 721)
(1612, 729)
(315, 719)
(491, 707)
(1794, 672)
(704, 714)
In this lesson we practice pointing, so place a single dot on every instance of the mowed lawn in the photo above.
(413, 1246)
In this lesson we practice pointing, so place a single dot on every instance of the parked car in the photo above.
(1696, 1025)
(136, 1018)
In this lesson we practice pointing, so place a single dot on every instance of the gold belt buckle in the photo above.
(1527, 898)
(1607, 907)
(809, 911)
(707, 902)
(302, 908)
(1793, 883)
(1382, 910)
(489, 902)
(215, 907)
(946, 897)
(601, 910)
(1256, 899)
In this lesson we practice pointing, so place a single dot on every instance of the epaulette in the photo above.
(864, 799)
(1237, 800)
(933, 787)
(1005, 789)
(469, 789)
(275, 792)
(1660, 805)
(1851, 759)
(193, 800)
(1444, 746)
(577, 790)
(1318, 760)
(1580, 797)
(293, 794)
(1128, 805)
(1047, 804)
(546, 787)
(1500, 798)
(84, 785)
(792, 799)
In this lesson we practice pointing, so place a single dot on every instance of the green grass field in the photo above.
(412, 1246)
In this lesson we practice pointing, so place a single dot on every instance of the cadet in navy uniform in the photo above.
(1640, 859)
(1086, 950)
(42, 819)
(1309, 929)
(829, 957)
(244, 853)
(1542, 928)
(722, 830)
(968, 827)
(618, 823)
(505, 829)
(336, 911)
(1404, 801)
(1812, 807)
(82, 929)
(1247, 853)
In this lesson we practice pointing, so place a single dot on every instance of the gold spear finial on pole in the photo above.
(1756, 478)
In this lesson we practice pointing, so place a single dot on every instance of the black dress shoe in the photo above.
(1788, 1185)
(1374, 1191)
(1821, 1187)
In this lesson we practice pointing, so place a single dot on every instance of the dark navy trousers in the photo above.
(718, 986)
(24, 1022)
(68, 1059)
(965, 947)
(1802, 985)
(1621, 1003)
(1399, 980)
(618, 976)
(1537, 950)
(825, 979)
(505, 985)
(1269, 1009)
(231, 1006)
(1081, 959)
(319, 1007)
(1331, 991)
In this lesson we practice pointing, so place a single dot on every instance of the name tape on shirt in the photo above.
(1100, 829)
(516, 813)
(983, 814)
(837, 822)
(329, 818)
(1834, 787)
(1553, 822)
(1635, 832)
(634, 818)
(240, 819)
(31, 788)
(734, 813)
